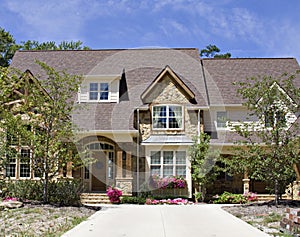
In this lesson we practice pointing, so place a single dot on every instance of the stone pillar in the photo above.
(124, 183)
(128, 165)
(119, 164)
(246, 185)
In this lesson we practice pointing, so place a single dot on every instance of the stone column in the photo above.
(246, 182)
(119, 164)
(128, 165)
(124, 183)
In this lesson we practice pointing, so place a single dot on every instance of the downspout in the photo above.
(138, 152)
(199, 126)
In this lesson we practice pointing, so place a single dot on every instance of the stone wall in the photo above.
(167, 93)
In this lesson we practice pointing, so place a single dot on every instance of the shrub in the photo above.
(133, 200)
(65, 192)
(230, 198)
(23, 189)
(114, 194)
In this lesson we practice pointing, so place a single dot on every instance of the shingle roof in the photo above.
(221, 73)
(141, 67)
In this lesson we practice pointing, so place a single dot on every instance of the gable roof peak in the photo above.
(174, 77)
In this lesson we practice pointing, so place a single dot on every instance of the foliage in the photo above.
(8, 47)
(63, 192)
(23, 189)
(37, 115)
(230, 198)
(51, 45)
(133, 200)
(212, 51)
(114, 194)
(203, 159)
(172, 182)
(269, 146)
(176, 201)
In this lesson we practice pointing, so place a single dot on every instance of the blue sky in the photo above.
(245, 28)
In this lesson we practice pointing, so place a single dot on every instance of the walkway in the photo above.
(205, 220)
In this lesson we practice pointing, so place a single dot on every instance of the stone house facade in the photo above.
(143, 107)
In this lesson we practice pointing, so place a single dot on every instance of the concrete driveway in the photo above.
(206, 220)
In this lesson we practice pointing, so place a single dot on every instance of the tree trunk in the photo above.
(45, 189)
(276, 193)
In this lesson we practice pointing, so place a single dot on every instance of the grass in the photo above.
(44, 220)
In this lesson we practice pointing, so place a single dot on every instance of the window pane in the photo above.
(221, 119)
(103, 95)
(103, 91)
(155, 157)
(180, 171)
(180, 157)
(168, 171)
(103, 86)
(155, 170)
(24, 170)
(168, 157)
(175, 116)
(11, 170)
(159, 117)
(93, 95)
(94, 87)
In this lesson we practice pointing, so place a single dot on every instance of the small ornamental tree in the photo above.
(268, 148)
(203, 168)
(36, 114)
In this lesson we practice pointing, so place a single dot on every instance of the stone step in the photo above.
(94, 198)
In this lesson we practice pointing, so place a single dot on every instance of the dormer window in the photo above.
(99, 88)
(99, 91)
(167, 117)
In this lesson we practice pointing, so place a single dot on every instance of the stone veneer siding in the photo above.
(166, 92)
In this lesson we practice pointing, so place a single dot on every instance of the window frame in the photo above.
(100, 91)
(162, 163)
(167, 117)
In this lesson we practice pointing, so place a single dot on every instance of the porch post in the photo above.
(124, 183)
(246, 182)
(119, 164)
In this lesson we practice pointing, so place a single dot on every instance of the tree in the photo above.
(203, 168)
(36, 114)
(269, 147)
(8, 47)
(212, 51)
(51, 45)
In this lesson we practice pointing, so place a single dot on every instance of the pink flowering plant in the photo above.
(176, 201)
(10, 199)
(251, 197)
(114, 194)
(172, 182)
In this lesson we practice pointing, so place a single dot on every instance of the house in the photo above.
(143, 107)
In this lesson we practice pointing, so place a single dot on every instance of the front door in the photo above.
(99, 172)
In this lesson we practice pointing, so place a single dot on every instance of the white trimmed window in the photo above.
(167, 117)
(221, 119)
(19, 167)
(98, 91)
(168, 163)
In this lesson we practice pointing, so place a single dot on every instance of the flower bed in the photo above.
(168, 187)
(176, 201)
